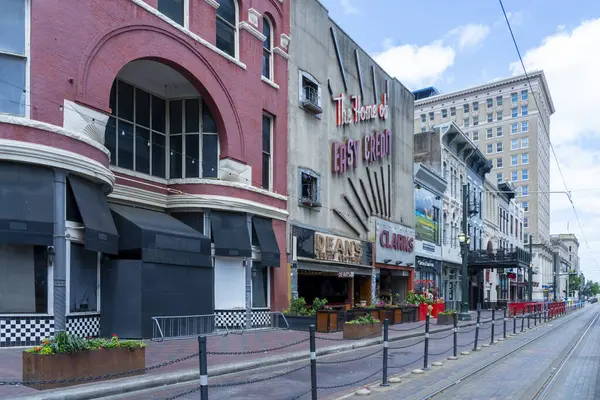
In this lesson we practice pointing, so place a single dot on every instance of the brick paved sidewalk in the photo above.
(159, 352)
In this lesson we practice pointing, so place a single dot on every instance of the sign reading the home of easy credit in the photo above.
(356, 113)
(336, 248)
(371, 148)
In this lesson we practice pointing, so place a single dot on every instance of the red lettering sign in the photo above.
(396, 241)
(376, 146)
(358, 113)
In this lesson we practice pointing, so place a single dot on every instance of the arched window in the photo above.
(227, 27)
(267, 49)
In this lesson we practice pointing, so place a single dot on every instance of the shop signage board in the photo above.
(338, 249)
(393, 242)
(346, 274)
(370, 148)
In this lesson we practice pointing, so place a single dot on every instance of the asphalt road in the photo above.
(522, 374)
(333, 370)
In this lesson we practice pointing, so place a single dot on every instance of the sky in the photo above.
(456, 45)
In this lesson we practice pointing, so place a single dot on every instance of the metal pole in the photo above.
(455, 335)
(504, 324)
(203, 368)
(313, 362)
(528, 316)
(530, 269)
(384, 380)
(425, 358)
(477, 327)
(493, 325)
(515, 321)
(464, 252)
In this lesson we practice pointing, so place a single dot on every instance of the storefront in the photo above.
(331, 267)
(394, 260)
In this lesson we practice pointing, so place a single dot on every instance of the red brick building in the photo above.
(143, 145)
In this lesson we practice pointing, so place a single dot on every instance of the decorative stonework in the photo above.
(253, 17)
(213, 3)
(278, 50)
(246, 26)
(285, 41)
(78, 118)
(234, 171)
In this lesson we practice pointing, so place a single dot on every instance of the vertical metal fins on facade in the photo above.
(372, 191)
(364, 190)
(329, 87)
(381, 210)
(385, 207)
(360, 203)
(389, 191)
(375, 94)
(355, 212)
(339, 57)
(387, 88)
(359, 73)
(346, 221)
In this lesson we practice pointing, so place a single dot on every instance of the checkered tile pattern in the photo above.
(25, 331)
(237, 318)
(84, 325)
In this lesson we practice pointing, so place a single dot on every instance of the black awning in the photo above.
(161, 238)
(26, 204)
(100, 230)
(230, 233)
(269, 250)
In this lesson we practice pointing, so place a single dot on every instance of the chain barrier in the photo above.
(351, 383)
(406, 365)
(99, 377)
(484, 329)
(372, 335)
(443, 352)
(302, 394)
(443, 337)
(407, 346)
(407, 329)
(466, 344)
(352, 359)
(461, 331)
(177, 396)
(258, 380)
(241, 353)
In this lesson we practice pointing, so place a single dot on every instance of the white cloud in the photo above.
(571, 65)
(348, 7)
(515, 19)
(417, 66)
(470, 35)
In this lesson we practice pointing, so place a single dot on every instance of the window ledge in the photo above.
(253, 31)
(154, 11)
(82, 313)
(269, 82)
(213, 3)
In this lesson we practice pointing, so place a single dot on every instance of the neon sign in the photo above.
(356, 113)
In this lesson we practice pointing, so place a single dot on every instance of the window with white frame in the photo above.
(524, 174)
(431, 115)
(423, 129)
(83, 279)
(514, 144)
(475, 106)
(514, 128)
(514, 97)
(525, 190)
(524, 95)
(499, 116)
(267, 159)
(498, 147)
(489, 148)
(466, 122)
(526, 223)
(490, 103)
(14, 51)
(309, 187)
(499, 100)
(475, 136)
(524, 143)
(499, 131)
(514, 160)
(452, 111)
(499, 162)
(524, 126)
(140, 138)
(525, 205)
(499, 177)
(444, 113)
(466, 107)
(525, 158)
(524, 111)
(227, 27)
(475, 120)
(267, 62)
(309, 90)
(514, 176)
(423, 118)
(174, 9)
(489, 133)
(490, 117)
(514, 113)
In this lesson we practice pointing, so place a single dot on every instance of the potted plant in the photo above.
(299, 316)
(446, 317)
(362, 327)
(438, 307)
(66, 356)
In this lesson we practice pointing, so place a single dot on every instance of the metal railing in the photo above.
(185, 326)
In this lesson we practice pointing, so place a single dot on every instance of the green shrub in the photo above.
(368, 319)
(65, 343)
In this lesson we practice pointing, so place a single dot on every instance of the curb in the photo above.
(127, 385)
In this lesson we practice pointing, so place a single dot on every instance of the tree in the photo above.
(575, 282)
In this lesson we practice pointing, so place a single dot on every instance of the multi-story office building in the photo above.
(570, 240)
(562, 267)
(568, 247)
(508, 120)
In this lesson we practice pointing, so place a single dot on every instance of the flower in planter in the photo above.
(65, 342)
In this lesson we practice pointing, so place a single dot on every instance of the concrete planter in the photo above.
(300, 323)
(39, 367)
(361, 331)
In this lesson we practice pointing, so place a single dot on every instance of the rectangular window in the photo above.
(24, 283)
(514, 128)
(514, 176)
(444, 113)
(475, 136)
(309, 189)
(466, 108)
(499, 116)
(172, 9)
(526, 238)
(526, 224)
(524, 174)
(525, 205)
(423, 118)
(499, 131)
(524, 95)
(525, 190)
(452, 111)
(524, 126)
(525, 158)
(466, 122)
(489, 133)
(498, 100)
(514, 160)
(489, 148)
(267, 134)
(514, 97)
(431, 116)
(490, 103)
(475, 106)
(83, 288)
(13, 57)
(499, 162)
(499, 177)
(475, 120)
(514, 112)
(490, 117)
(524, 143)
(524, 111)
(514, 144)
(499, 147)
(423, 129)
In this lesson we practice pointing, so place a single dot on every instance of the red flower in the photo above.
(114, 335)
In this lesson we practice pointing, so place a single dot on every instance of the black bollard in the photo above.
(426, 355)
(493, 325)
(477, 327)
(313, 363)
(203, 368)
(384, 380)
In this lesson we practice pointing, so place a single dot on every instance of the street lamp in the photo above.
(464, 241)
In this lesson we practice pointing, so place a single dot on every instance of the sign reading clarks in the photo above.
(394, 243)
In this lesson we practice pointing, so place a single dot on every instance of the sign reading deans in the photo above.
(339, 249)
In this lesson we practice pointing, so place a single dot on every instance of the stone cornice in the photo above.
(246, 26)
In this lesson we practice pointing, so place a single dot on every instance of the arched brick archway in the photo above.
(113, 48)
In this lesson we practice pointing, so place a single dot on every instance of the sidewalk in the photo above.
(160, 352)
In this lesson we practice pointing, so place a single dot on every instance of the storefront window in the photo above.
(259, 285)
(83, 288)
(24, 282)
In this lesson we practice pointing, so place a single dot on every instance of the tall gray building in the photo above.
(508, 121)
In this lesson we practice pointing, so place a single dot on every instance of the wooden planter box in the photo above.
(361, 331)
(328, 321)
(363, 312)
(38, 367)
(445, 319)
(394, 315)
(300, 323)
(409, 313)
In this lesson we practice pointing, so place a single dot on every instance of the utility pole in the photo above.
(554, 274)
(530, 269)
(464, 240)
